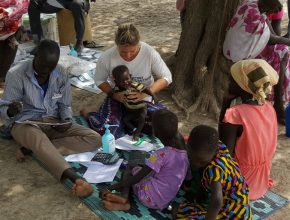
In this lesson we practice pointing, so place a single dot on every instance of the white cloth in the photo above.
(54, 3)
(248, 33)
(147, 63)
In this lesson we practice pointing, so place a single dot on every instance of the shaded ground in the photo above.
(28, 192)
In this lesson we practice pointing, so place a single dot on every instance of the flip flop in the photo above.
(92, 44)
(140, 141)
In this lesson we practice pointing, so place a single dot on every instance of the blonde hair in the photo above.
(127, 34)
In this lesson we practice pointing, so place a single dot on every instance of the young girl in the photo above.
(221, 177)
(158, 181)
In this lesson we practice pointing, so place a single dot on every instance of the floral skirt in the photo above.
(274, 54)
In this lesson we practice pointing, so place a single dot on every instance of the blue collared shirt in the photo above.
(21, 85)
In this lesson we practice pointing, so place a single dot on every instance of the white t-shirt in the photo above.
(147, 63)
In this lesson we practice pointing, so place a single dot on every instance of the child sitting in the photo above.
(136, 111)
(221, 177)
(158, 181)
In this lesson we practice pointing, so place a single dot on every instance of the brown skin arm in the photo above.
(216, 201)
(149, 92)
(275, 39)
(132, 179)
(229, 134)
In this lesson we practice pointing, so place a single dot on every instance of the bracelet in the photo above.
(110, 93)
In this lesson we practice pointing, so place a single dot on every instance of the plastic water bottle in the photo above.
(108, 140)
(287, 113)
(72, 51)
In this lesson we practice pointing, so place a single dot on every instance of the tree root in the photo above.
(178, 103)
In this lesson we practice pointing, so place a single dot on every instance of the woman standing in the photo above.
(250, 35)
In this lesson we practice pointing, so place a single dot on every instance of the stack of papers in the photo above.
(149, 144)
(100, 173)
(96, 172)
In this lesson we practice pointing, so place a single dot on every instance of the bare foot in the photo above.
(20, 156)
(112, 197)
(84, 112)
(81, 188)
(115, 206)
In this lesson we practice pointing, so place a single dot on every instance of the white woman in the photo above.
(145, 65)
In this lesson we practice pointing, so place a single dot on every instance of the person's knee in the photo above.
(77, 5)
(80, 6)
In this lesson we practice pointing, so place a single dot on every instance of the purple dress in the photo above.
(170, 167)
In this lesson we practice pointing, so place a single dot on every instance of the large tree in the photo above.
(201, 71)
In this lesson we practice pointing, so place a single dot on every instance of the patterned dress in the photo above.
(225, 170)
(247, 37)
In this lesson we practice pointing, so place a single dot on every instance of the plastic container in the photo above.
(72, 51)
(108, 140)
(287, 113)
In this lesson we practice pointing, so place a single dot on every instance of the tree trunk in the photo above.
(201, 71)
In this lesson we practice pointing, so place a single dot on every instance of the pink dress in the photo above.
(256, 146)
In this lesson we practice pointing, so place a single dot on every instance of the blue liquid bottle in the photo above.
(287, 113)
(108, 140)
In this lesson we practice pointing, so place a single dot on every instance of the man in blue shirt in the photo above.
(39, 90)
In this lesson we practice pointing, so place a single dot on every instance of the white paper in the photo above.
(43, 123)
(100, 173)
(126, 143)
(81, 157)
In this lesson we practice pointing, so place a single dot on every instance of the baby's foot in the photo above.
(81, 188)
(112, 197)
(115, 206)
(20, 156)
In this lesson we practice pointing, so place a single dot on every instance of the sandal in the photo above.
(92, 44)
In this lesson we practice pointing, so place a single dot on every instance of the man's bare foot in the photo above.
(20, 157)
(115, 206)
(84, 112)
(81, 188)
(112, 197)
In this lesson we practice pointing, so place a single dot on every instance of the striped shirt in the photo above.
(131, 103)
(21, 85)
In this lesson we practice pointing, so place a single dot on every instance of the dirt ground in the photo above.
(29, 192)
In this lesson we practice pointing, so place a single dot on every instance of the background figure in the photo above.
(77, 7)
(181, 7)
(251, 36)
(10, 21)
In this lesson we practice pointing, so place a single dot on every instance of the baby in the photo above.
(157, 182)
(136, 111)
(221, 177)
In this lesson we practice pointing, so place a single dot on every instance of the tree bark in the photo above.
(201, 71)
